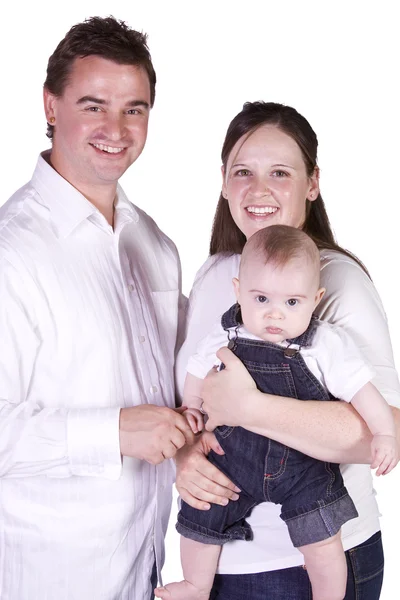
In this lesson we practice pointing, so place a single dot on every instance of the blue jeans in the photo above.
(364, 579)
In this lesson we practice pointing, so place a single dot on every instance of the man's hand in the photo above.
(153, 433)
(385, 453)
(197, 480)
(226, 393)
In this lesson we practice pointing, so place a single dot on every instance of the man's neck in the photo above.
(101, 196)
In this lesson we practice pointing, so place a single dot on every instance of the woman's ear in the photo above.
(223, 191)
(313, 191)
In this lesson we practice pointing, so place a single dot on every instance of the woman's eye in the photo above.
(292, 302)
(243, 173)
(261, 299)
(279, 173)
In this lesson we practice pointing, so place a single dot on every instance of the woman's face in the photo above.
(265, 181)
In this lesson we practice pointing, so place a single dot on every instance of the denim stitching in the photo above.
(225, 432)
(312, 379)
(327, 522)
(324, 505)
(274, 476)
(332, 478)
(355, 565)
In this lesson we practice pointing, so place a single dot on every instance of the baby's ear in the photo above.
(236, 287)
(319, 295)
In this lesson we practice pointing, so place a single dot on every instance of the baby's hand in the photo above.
(385, 453)
(195, 419)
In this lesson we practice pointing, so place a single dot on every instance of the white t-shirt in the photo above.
(352, 303)
(333, 358)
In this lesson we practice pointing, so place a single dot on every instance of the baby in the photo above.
(288, 352)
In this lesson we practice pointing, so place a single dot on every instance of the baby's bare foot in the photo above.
(182, 590)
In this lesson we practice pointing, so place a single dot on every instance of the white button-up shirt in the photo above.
(88, 324)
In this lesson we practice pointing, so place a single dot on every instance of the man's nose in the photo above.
(114, 127)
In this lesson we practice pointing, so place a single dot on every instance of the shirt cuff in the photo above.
(93, 442)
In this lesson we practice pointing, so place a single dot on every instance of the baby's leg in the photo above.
(199, 563)
(327, 569)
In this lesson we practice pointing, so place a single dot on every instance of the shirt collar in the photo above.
(68, 207)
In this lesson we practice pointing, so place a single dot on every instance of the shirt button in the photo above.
(142, 339)
(154, 389)
(131, 287)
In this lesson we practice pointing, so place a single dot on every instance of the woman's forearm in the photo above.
(331, 430)
(327, 430)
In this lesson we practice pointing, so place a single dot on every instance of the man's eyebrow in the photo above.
(90, 99)
(94, 100)
(134, 103)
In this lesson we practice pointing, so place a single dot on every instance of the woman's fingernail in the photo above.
(237, 489)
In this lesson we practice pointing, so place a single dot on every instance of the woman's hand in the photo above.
(198, 481)
(227, 393)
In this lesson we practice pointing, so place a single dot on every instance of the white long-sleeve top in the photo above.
(88, 324)
(351, 302)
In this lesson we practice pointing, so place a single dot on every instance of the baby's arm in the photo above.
(198, 366)
(193, 400)
(376, 412)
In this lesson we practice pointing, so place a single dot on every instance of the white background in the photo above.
(337, 63)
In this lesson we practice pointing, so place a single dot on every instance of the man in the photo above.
(89, 290)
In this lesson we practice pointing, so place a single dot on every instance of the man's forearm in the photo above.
(331, 431)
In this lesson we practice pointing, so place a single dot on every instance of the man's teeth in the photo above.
(108, 148)
(261, 210)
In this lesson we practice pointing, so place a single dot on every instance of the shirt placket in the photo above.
(142, 328)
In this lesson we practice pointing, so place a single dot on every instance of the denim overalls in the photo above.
(315, 503)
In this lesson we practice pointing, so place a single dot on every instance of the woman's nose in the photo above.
(260, 187)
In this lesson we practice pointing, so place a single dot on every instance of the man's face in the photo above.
(100, 122)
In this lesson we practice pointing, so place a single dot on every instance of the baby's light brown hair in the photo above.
(279, 245)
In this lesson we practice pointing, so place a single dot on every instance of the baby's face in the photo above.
(277, 302)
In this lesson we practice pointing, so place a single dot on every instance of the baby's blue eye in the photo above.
(262, 299)
(292, 302)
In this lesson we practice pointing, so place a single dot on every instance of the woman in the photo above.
(270, 176)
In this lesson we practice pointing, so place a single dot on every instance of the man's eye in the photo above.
(292, 302)
(133, 111)
(261, 299)
(93, 109)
